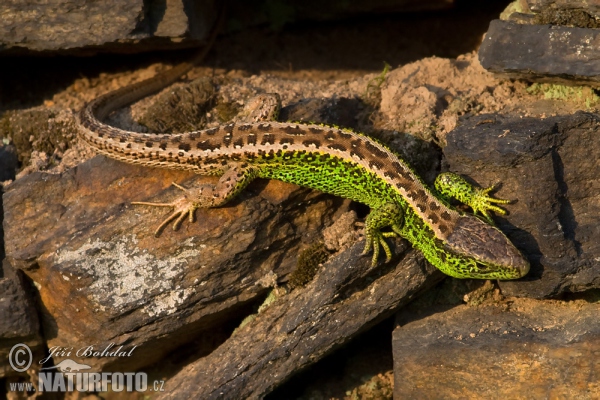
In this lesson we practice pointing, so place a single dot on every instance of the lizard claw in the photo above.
(483, 203)
(182, 207)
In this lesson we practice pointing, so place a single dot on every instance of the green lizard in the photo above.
(331, 159)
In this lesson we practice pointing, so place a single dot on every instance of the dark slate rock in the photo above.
(19, 318)
(9, 162)
(550, 168)
(543, 53)
(126, 25)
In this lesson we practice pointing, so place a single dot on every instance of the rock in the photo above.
(549, 168)
(9, 162)
(123, 25)
(346, 297)
(19, 318)
(522, 347)
(104, 278)
(542, 53)
(561, 7)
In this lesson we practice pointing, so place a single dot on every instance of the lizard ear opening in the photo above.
(486, 245)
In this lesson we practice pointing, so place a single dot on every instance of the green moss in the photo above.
(584, 94)
(374, 85)
(226, 111)
(308, 264)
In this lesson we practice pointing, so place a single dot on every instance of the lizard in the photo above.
(331, 159)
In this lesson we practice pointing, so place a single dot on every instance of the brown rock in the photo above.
(104, 278)
(522, 348)
(348, 296)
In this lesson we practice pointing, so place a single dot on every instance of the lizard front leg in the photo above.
(232, 182)
(451, 185)
(387, 215)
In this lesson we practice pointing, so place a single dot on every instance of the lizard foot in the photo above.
(387, 215)
(182, 207)
(483, 203)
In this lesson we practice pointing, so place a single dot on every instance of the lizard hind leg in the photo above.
(232, 182)
(451, 185)
(388, 215)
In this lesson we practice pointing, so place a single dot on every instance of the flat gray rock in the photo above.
(542, 53)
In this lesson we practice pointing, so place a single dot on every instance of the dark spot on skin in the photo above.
(211, 131)
(185, 146)
(443, 228)
(375, 150)
(312, 129)
(434, 218)
(421, 193)
(446, 216)
(307, 143)
(356, 143)
(238, 143)
(243, 128)
(286, 141)
(344, 135)
(163, 145)
(357, 154)
(122, 140)
(228, 128)
(267, 139)
(244, 165)
(227, 140)
(264, 127)
(137, 140)
(207, 145)
(293, 130)
(337, 146)
(193, 135)
(376, 163)
(434, 206)
(180, 154)
(129, 145)
(391, 175)
(251, 140)
(149, 144)
(224, 162)
(330, 136)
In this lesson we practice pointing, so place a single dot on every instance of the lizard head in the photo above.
(493, 255)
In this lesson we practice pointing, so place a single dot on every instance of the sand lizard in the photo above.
(331, 159)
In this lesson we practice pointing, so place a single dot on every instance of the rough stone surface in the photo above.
(550, 168)
(542, 53)
(125, 25)
(18, 316)
(104, 278)
(522, 348)
(346, 297)
(8, 162)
